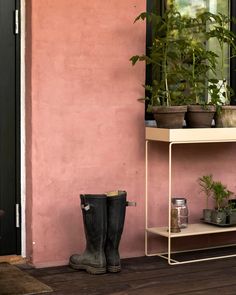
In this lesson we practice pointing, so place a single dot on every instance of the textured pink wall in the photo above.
(85, 128)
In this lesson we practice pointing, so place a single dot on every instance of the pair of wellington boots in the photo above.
(103, 217)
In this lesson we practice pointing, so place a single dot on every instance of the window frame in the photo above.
(233, 61)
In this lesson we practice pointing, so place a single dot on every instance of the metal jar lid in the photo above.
(179, 201)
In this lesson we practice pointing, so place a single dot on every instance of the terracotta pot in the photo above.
(169, 117)
(200, 117)
(226, 117)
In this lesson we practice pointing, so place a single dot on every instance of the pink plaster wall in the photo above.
(85, 128)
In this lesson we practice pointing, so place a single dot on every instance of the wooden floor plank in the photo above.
(145, 275)
(226, 290)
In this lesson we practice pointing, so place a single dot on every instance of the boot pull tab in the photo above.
(85, 207)
(133, 204)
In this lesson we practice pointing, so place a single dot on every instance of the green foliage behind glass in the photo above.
(186, 70)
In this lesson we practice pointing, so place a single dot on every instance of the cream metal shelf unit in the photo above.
(183, 136)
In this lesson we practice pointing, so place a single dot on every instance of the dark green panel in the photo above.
(8, 127)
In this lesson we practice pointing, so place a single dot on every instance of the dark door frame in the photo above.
(18, 128)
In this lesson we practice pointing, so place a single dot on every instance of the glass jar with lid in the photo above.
(181, 205)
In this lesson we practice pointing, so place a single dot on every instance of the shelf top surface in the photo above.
(193, 135)
(192, 230)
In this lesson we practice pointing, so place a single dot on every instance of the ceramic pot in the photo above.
(226, 117)
(200, 116)
(169, 117)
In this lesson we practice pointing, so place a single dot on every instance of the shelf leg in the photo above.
(169, 202)
(146, 197)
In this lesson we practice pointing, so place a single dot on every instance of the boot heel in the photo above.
(89, 269)
(95, 271)
(113, 268)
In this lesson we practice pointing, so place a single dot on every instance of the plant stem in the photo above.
(193, 76)
(165, 66)
(224, 82)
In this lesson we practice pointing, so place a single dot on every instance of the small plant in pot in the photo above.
(166, 100)
(220, 194)
(205, 183)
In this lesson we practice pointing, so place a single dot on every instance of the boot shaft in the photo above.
(94, 210)
(116, 209)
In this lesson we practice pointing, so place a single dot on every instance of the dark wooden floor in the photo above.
(145, 275)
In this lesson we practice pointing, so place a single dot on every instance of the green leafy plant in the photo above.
(221, 195)
(226, 39)
(205, 183)
(215, 190)
(184, 70)
(180, 58)
(200, 60)
(166, 57)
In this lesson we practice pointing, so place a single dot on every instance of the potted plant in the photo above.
(221, 91)
(186, 71)
(220, 194)
(205, 183)
(166, 97)
(201, 111)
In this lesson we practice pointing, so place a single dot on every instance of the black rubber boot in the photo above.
(116, 208)
(93, 260)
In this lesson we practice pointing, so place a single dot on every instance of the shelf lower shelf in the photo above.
(192, 230)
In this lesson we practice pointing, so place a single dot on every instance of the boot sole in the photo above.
(113, 268)
(89, 269)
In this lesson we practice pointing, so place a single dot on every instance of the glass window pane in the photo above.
(192, 8)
